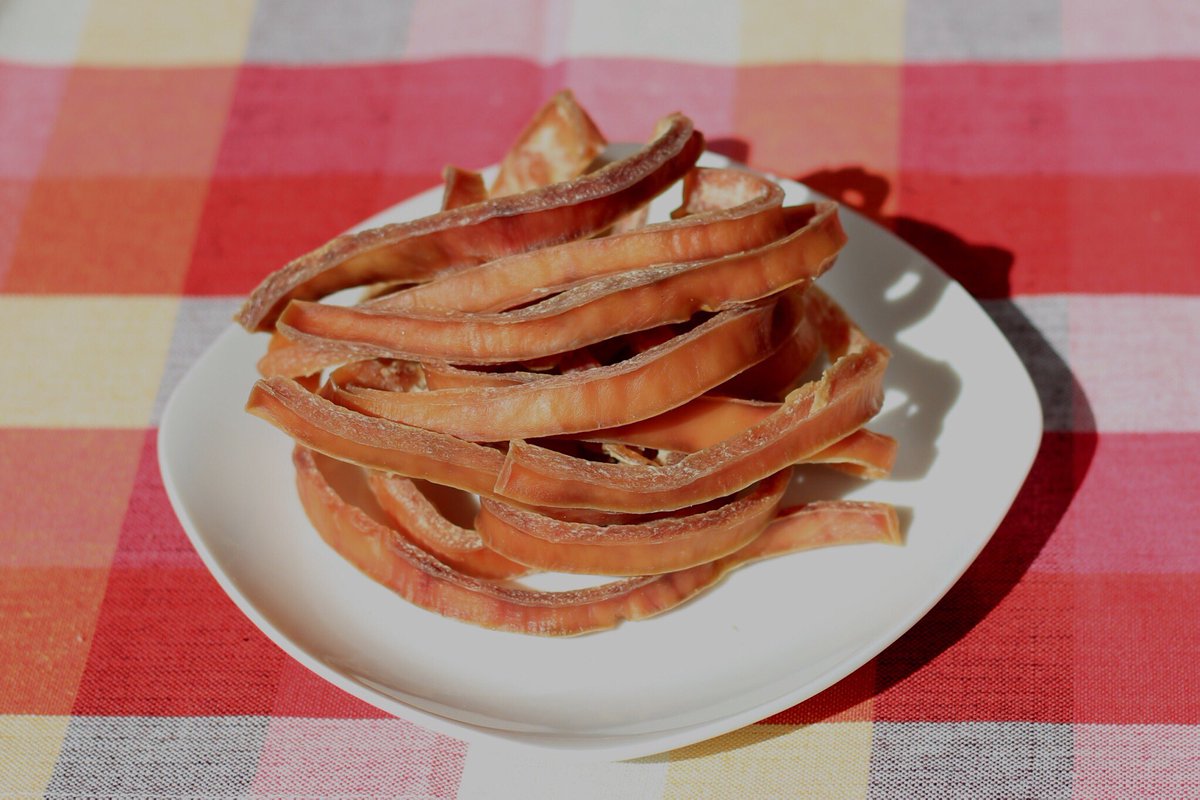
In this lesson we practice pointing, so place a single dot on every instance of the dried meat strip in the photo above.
(390, 558)
(481, 232)
(600, 309)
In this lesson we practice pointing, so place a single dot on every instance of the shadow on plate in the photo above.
(1062, 461)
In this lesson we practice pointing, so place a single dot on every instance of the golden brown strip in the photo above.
(648, 384)
(779, 373)
(661, 545)
(695, 425)
(414, 514)
(559, 143)
(370, 442)
(748, 215)
(600, 309)
(863, 454)
(439, 375)
(386, 556)
(477, 233)
(812, 418)
(726, 211)
(394, 376)
(825, 523)
(709, 419)
(463, 187)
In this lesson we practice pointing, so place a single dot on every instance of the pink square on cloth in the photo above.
(30, 97)
(357, 758)
(1115, 762)
(406, 117)
(1126, 516)
(1118, 29)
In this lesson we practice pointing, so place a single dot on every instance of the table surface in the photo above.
(157, 159)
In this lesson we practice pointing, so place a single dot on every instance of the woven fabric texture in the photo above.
(158, 158)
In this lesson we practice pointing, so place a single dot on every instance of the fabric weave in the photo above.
(158, 158)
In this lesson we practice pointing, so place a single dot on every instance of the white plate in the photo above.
(772, 634)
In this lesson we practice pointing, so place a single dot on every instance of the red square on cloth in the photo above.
(151, 534)
(169, 642)
(410, 118)
(49, 616)
(63, 494)
(1000, 645)
(1127, 118)
(801, 118)
(302, 693)
(311, 121)
(14, 195)
(1137, 649)
(253, 226)
(627, 96)
(985, 119)
(1134, 511)
(106, 236)
(139, 122)
(998, 235)
(1132, 117)
(1056, 233)
(464, 111)
(849, 700)
(1134, 234)
(965, 662)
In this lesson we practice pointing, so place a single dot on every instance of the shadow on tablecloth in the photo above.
(894, 678)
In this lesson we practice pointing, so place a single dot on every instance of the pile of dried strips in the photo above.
(624, 398)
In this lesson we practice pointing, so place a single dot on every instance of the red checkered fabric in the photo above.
(157, 159)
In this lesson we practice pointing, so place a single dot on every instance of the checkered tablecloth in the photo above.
(158, 158)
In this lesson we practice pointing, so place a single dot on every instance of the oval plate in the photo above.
(769, 636)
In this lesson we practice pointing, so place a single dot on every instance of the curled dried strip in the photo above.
(463, 187)
(661, 545)
(393, 376)
(292, 359)
(625, 454)
(483, 231)
(813, 417)
(863, 454)
(595, 311)
(379, 444)
(440, 375)
(415, 514)
(386, 556)
(825, 523)
(559, 143)
(701, 422)
(725, 211)
(631, 222)
(709, 189)
(390, 447)
(780, 372)
(748, 215)
(302, 362)
(710, 419)
(648, 384)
